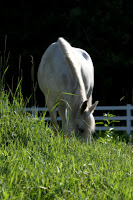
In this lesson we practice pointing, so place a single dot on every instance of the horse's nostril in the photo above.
(81, 130)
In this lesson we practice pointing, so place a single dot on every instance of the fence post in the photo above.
(33, 108)
(128, 119)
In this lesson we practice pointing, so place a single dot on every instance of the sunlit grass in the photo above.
(36, 164)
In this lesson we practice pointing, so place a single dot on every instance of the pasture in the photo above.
(36, 164)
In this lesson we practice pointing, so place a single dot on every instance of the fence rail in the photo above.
(128, 117)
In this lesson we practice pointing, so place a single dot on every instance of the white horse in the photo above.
(66, 76)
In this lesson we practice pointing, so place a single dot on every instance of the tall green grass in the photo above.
(4, 58)
(36, 164)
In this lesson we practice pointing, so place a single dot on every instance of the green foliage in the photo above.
(35, 164)
(110, 134)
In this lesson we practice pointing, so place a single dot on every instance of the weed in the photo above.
(110, 134)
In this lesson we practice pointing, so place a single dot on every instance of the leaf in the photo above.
(55, 106)
(105, 120)
(99, 123)
(114, 121)
(71, 198)
(105, 114)
(111, 129)
(58, 170)
(122, 98)
(45, 188)
(66, 103)
(4, 73)
(68, 93)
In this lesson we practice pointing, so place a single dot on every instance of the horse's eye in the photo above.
(81, 130)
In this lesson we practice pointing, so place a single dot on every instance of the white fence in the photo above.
(128, 117)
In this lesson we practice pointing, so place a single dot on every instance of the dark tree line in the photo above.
(103, 28)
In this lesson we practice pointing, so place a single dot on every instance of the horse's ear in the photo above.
(93, 107)
(84, 106)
